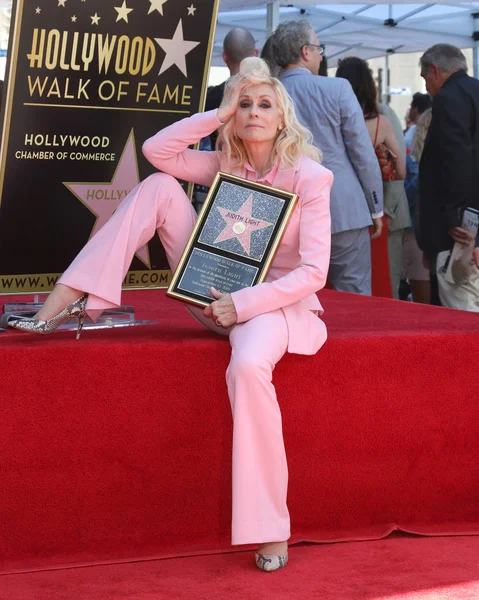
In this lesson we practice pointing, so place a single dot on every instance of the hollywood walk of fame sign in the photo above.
(88, 81)
(234, 240)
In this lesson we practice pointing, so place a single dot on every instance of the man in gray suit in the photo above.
(329, 109)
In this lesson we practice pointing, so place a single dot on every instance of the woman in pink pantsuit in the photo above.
(261, 140)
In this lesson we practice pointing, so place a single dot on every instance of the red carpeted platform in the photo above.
(118, 446)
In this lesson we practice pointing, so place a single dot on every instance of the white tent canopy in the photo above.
(355, 28)
(365, 30)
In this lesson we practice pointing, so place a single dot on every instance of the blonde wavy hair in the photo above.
(420, 134)
(292, 142)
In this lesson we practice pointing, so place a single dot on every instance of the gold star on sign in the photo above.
(38, 10)
(122, 11)
(191, 10)
(74, 19)
(61, 3)
(95, 19)
(157, 5)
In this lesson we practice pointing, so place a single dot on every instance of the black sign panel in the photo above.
(88, 82)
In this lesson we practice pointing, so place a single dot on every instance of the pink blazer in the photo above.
(300, 266)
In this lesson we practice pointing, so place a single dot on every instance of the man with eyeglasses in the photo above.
(329, 108)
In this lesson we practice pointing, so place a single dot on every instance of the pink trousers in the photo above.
(260, 472)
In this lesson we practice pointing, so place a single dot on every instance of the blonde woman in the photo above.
(261, 140)
(413, 265)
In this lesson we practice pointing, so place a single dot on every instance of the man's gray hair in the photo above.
(238, 44)
(447, 58)
(287, 41)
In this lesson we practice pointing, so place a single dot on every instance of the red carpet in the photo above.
(394, 569)
(118, 446)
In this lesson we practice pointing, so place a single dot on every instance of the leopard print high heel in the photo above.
(75, 310)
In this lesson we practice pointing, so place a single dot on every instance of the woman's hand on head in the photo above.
(233, 91)
(222, 310)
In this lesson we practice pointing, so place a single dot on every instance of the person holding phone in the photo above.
(449, 167)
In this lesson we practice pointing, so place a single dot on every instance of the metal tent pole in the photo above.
(475, 50)
(385, 81)
(386, 98)
(272, 16)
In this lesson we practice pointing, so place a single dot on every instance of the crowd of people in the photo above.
(413, 185)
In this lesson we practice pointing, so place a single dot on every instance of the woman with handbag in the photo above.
(388, 152)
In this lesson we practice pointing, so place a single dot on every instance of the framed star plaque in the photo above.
(234, 240)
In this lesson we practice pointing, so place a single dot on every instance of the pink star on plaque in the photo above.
(102, 199)
(241, 224)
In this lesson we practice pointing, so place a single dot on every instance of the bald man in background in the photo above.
(238, 44)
